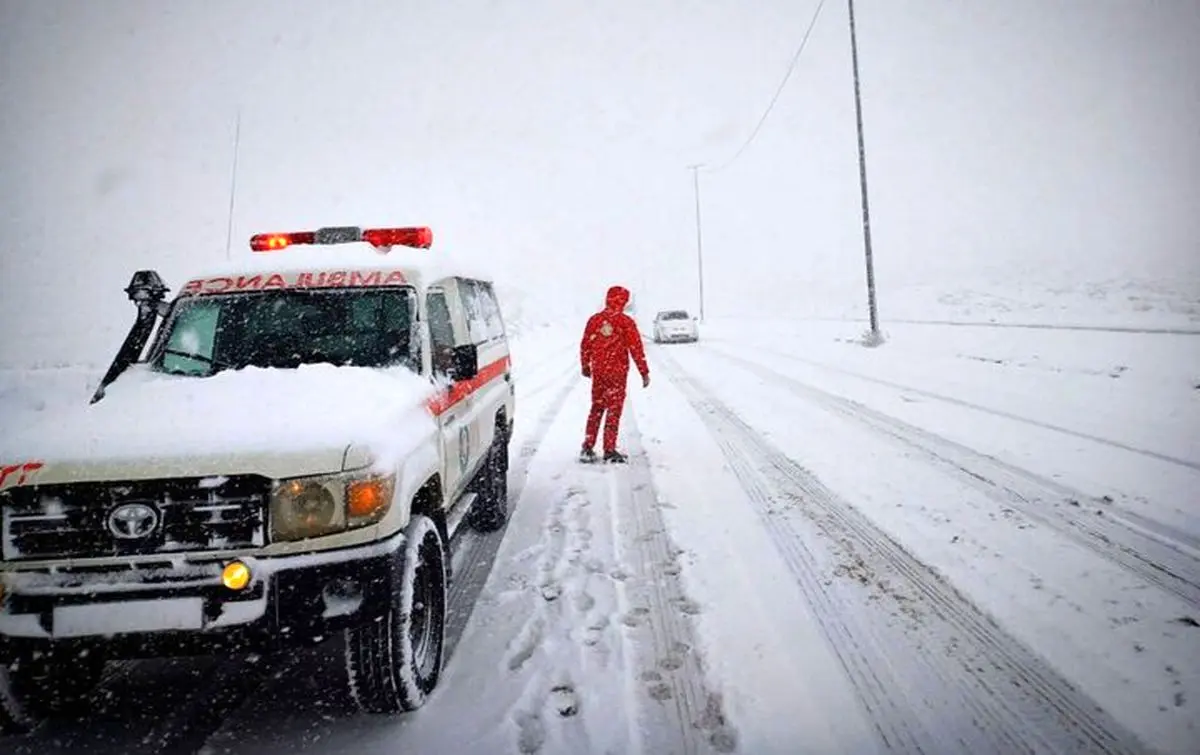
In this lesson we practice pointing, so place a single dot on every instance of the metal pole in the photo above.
(862, 182)
(237, 140)
(699, 237)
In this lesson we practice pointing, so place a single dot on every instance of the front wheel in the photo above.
(395, 661)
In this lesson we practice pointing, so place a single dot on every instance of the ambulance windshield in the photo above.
(288, 328)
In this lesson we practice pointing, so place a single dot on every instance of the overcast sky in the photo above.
(1006, 140)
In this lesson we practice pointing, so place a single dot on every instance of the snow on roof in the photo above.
(424, 265)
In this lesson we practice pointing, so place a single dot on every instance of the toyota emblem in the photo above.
(132, 521)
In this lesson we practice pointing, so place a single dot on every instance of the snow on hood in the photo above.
(315, 408)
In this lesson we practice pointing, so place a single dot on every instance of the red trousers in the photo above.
(608, 399)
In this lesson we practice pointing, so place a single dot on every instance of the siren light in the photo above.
(271, 242)
(416, 237)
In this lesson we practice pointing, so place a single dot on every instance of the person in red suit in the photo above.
(610, 338)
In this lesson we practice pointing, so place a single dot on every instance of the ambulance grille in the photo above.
(141, 517)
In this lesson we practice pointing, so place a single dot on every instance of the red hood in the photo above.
(616, 299)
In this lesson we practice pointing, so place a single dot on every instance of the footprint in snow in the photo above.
(671, 663)
(531, 732)
(635, 616)
(584, 602)
(526, 644)
(660, 691)
(564, 700)
(595, 631)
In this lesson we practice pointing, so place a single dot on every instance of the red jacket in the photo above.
(610, 338)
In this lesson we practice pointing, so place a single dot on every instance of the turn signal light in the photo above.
(368, 498)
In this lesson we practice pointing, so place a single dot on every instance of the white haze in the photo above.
(1017, 141)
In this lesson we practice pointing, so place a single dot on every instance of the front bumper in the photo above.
(152, 610)
(677, 337)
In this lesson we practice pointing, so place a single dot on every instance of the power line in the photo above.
(778, 91)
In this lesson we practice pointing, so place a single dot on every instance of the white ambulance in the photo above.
(280, 454)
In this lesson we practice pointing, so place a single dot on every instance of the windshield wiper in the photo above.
(198, 357)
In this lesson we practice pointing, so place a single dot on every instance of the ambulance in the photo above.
(279, 455)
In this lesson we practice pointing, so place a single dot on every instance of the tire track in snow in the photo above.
(1186, 463)
(1150, 550)
(475, 552)
(687, 716)
(957, 683)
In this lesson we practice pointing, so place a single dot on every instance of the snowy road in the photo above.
(807, 553)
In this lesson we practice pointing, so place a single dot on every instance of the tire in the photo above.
(390, 670)
(32, 690)
(489, 512)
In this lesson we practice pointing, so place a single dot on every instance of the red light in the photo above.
(273, 242)
(419, 238)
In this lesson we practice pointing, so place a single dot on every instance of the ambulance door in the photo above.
(454, 420)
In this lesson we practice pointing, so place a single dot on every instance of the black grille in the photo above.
(193, 514)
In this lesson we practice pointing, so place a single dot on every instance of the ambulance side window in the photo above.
(476, 331)
(441, 332)
(491, 311)
(189, 349)
(482, 312)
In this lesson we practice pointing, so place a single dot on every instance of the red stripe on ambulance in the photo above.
(459, 391)
(18, 474)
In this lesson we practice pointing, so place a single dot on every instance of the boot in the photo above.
(587, 455)
(615, 457)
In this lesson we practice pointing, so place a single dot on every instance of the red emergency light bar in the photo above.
(271, 242)
(418, 238)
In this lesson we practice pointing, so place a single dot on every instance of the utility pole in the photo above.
(875, 338)
(695, 169)
(237, 141)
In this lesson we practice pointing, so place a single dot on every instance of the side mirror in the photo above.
(147, 290)
(466, 362)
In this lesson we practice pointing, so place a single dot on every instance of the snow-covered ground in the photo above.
(968, 540)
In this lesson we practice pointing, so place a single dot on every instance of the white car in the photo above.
(285, 460)
(674, 325)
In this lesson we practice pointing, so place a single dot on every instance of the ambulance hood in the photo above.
(275, 422)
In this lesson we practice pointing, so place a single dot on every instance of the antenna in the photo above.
(237, 141)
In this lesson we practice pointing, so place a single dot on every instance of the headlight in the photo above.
(304, 507)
